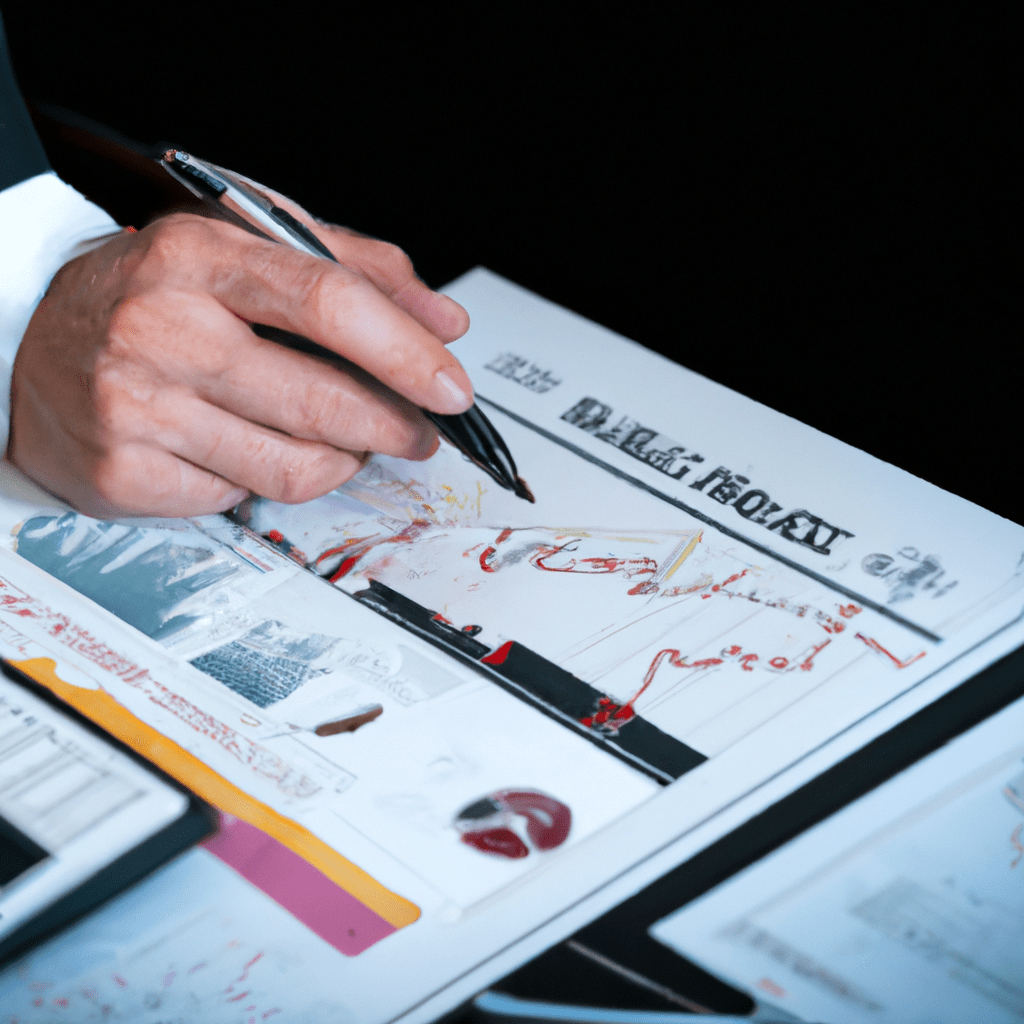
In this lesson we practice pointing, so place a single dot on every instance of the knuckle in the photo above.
(324, 414)
(322, 288)
(121, 399)
(125, 324)
(171, 236)
(176, 241)
(108, 403)
(393, 260)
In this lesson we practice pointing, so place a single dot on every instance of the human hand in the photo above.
(140, 389)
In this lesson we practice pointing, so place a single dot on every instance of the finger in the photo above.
(136, 479)
(140, 480)
(217, 357)
(285, 469)
(330, 304)
(386, 265)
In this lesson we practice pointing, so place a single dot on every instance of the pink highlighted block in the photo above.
(327, 909)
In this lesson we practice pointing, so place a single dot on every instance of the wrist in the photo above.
(43, 224)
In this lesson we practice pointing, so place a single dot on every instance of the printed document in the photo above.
(471, 712)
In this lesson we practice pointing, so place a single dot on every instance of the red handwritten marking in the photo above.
(168, 978)
(731, 579)
(245, 972)
(879, 649)
(357, 552)
(720, 587)
(779, 662)
(276, 536)
(676, 659)
(197, 967)
(769, 986)
(680, 591)
(498, 657)
(745, 662)
(120, 980)
(67, 633)
(829, 624)
(807, 664)
(612, 713)
(487, 552)
(347, 546)
(241, 995)
(1015, 841)
(60, 1002)
(597, 564)
(826, 621)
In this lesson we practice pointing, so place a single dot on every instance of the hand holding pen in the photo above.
(273, 216)
(139, 387)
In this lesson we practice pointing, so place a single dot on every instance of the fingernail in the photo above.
(449, 396)
(234, 497)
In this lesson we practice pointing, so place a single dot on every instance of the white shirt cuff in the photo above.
(43, 222)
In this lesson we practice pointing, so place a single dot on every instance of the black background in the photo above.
(811, 214)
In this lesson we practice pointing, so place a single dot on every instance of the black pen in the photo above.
(471, 431)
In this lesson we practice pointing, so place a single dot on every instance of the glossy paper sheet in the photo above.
(472, 712)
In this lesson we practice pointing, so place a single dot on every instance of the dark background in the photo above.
(811, 214)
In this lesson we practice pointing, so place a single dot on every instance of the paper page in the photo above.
(194, 942)
(498, 706)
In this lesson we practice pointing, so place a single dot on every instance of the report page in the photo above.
(471, 712)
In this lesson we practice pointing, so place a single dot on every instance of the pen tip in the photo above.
(523, 491)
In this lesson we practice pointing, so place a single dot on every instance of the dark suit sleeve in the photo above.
(21, 152)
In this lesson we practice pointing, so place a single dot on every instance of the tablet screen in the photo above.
(906, 906)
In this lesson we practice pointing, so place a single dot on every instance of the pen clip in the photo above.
(217, 185)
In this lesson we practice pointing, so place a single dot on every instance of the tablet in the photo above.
(80, 817)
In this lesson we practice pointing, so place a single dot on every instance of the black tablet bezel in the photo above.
(198, 821)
